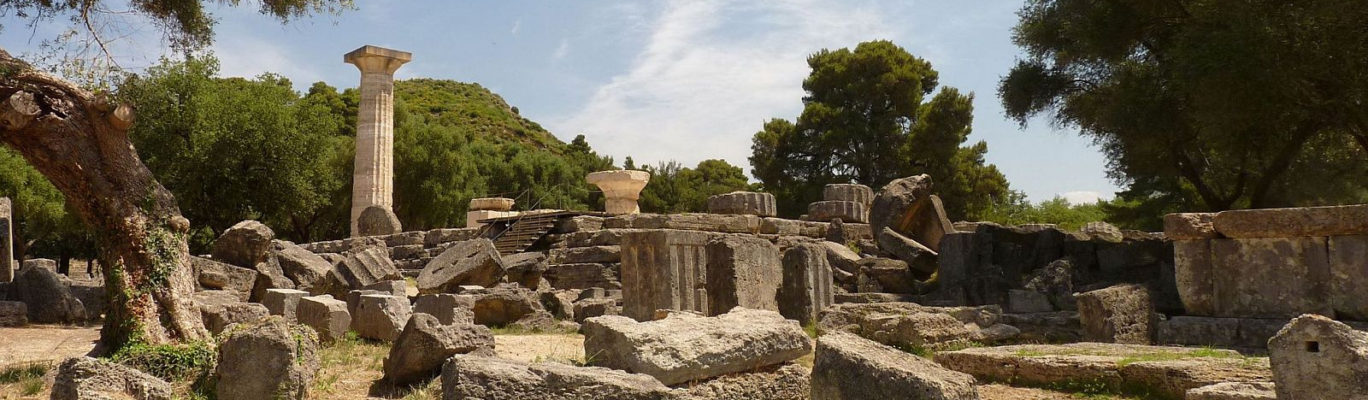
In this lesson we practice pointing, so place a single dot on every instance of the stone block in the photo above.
(49, 301)
(848, 192)
(1314, 357)
(326, 315)
(267, 359)
(847, 367)
(1349, 277)
(504, 305)
(448, 308)
(589, 308)
(491, 204)
(1271, 277)
(405, 238)
(473, 262)
(1234, 391)
(826, 211)
(779, 382)
(580, 223)
(473, 218)
(1028, 301)
(44, 263)
(687, 221)
(218, 317)
(807, 283)
(381, 317)
(582, 276)
(910, 325)
(525, 269)
(1118, 314)
(791, 227)
(426, 343)
(13, 314)
(1193, 271)
(743, 203)
(586, 255)
(366, 267)
(305, 268)
(1198, 331)
(885, 275)
(437, 237)
(407, 252)
(684, 347)
(214, 275)
(664, 269)
(283, 302)
(245, 244)
(1190, 226)
(81, 378)
(1293, 222)
(479, 377)
(742, 271)
(269, 276)
(917, 256)
(390, 287)
(377, 220)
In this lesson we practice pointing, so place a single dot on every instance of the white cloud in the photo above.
(710, 74)
(247, 57)
(517, 24)
(561, 51)
(1082, 197)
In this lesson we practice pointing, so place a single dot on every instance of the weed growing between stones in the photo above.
(189, 366)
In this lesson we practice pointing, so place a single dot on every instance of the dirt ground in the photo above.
(351, 369)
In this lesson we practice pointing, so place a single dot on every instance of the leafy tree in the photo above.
(1204, 104)
(1015, 210)
(42, 225)
(78, 139)
(677, 189)
(233, 149)
(866, 119)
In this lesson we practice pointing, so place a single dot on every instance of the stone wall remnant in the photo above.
(664, 269)
(743, 203)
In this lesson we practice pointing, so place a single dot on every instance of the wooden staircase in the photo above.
(524, 231)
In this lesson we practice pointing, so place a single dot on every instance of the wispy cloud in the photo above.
(561, 51)
(517, 25)
(711, 73)
(249, 56)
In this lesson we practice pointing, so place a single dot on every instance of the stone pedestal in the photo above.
(486, 208)
(373, 174)
(621, 189)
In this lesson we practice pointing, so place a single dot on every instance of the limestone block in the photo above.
(780, 382)
(13, 314)
(1198, 331)
(245, 244)
(1314, 357)
(44, 263)
(1271, 277)
(367, 267)
(685, 347)
(687, 221)
(479, 377)
(305, 268)
(621, 189)
(1234, 391)
(270, 275)
(1348, 276)
(894, 201)
(267, 359)
(391, 287)
(589, 308)
(1293, 222)
(791, 227)
(437, 237)
(826, 211)
(377, 220)
(1028, 301)
(1190, 226)
(283, 302)
(884, 275)
(525, 269)
(215, 275)
(404, 238)
(504, 305)
(916, 255)
(1193, 271)
(381, 317)
(326, 315)
(49, 301)
(742, 271)
(448, 308)
(848, 367)
(807, 284)
(582, 276)
(407, 252)
(1118, 314)
(473, 218)
(585, 255)
(744, 203)
(910, 325)
(426, 343)
(217, 317)
(664, 269)
(491, 204)
(82, 378)
(848, 192)
(472, 262)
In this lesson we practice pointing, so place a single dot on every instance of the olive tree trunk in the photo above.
(79, 141)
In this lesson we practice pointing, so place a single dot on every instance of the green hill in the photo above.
(473, 107)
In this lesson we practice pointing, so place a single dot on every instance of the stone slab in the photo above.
(1271, 277)
(1293, 222)
(1349, 276)
(664, 269)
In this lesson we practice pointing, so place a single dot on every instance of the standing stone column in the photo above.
(373, 175)
(6, 242)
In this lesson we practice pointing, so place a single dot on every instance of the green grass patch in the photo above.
(192, 362)
(20, 372)
(520, 330)
(812, 330)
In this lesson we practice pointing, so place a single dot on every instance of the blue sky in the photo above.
(657, 80)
